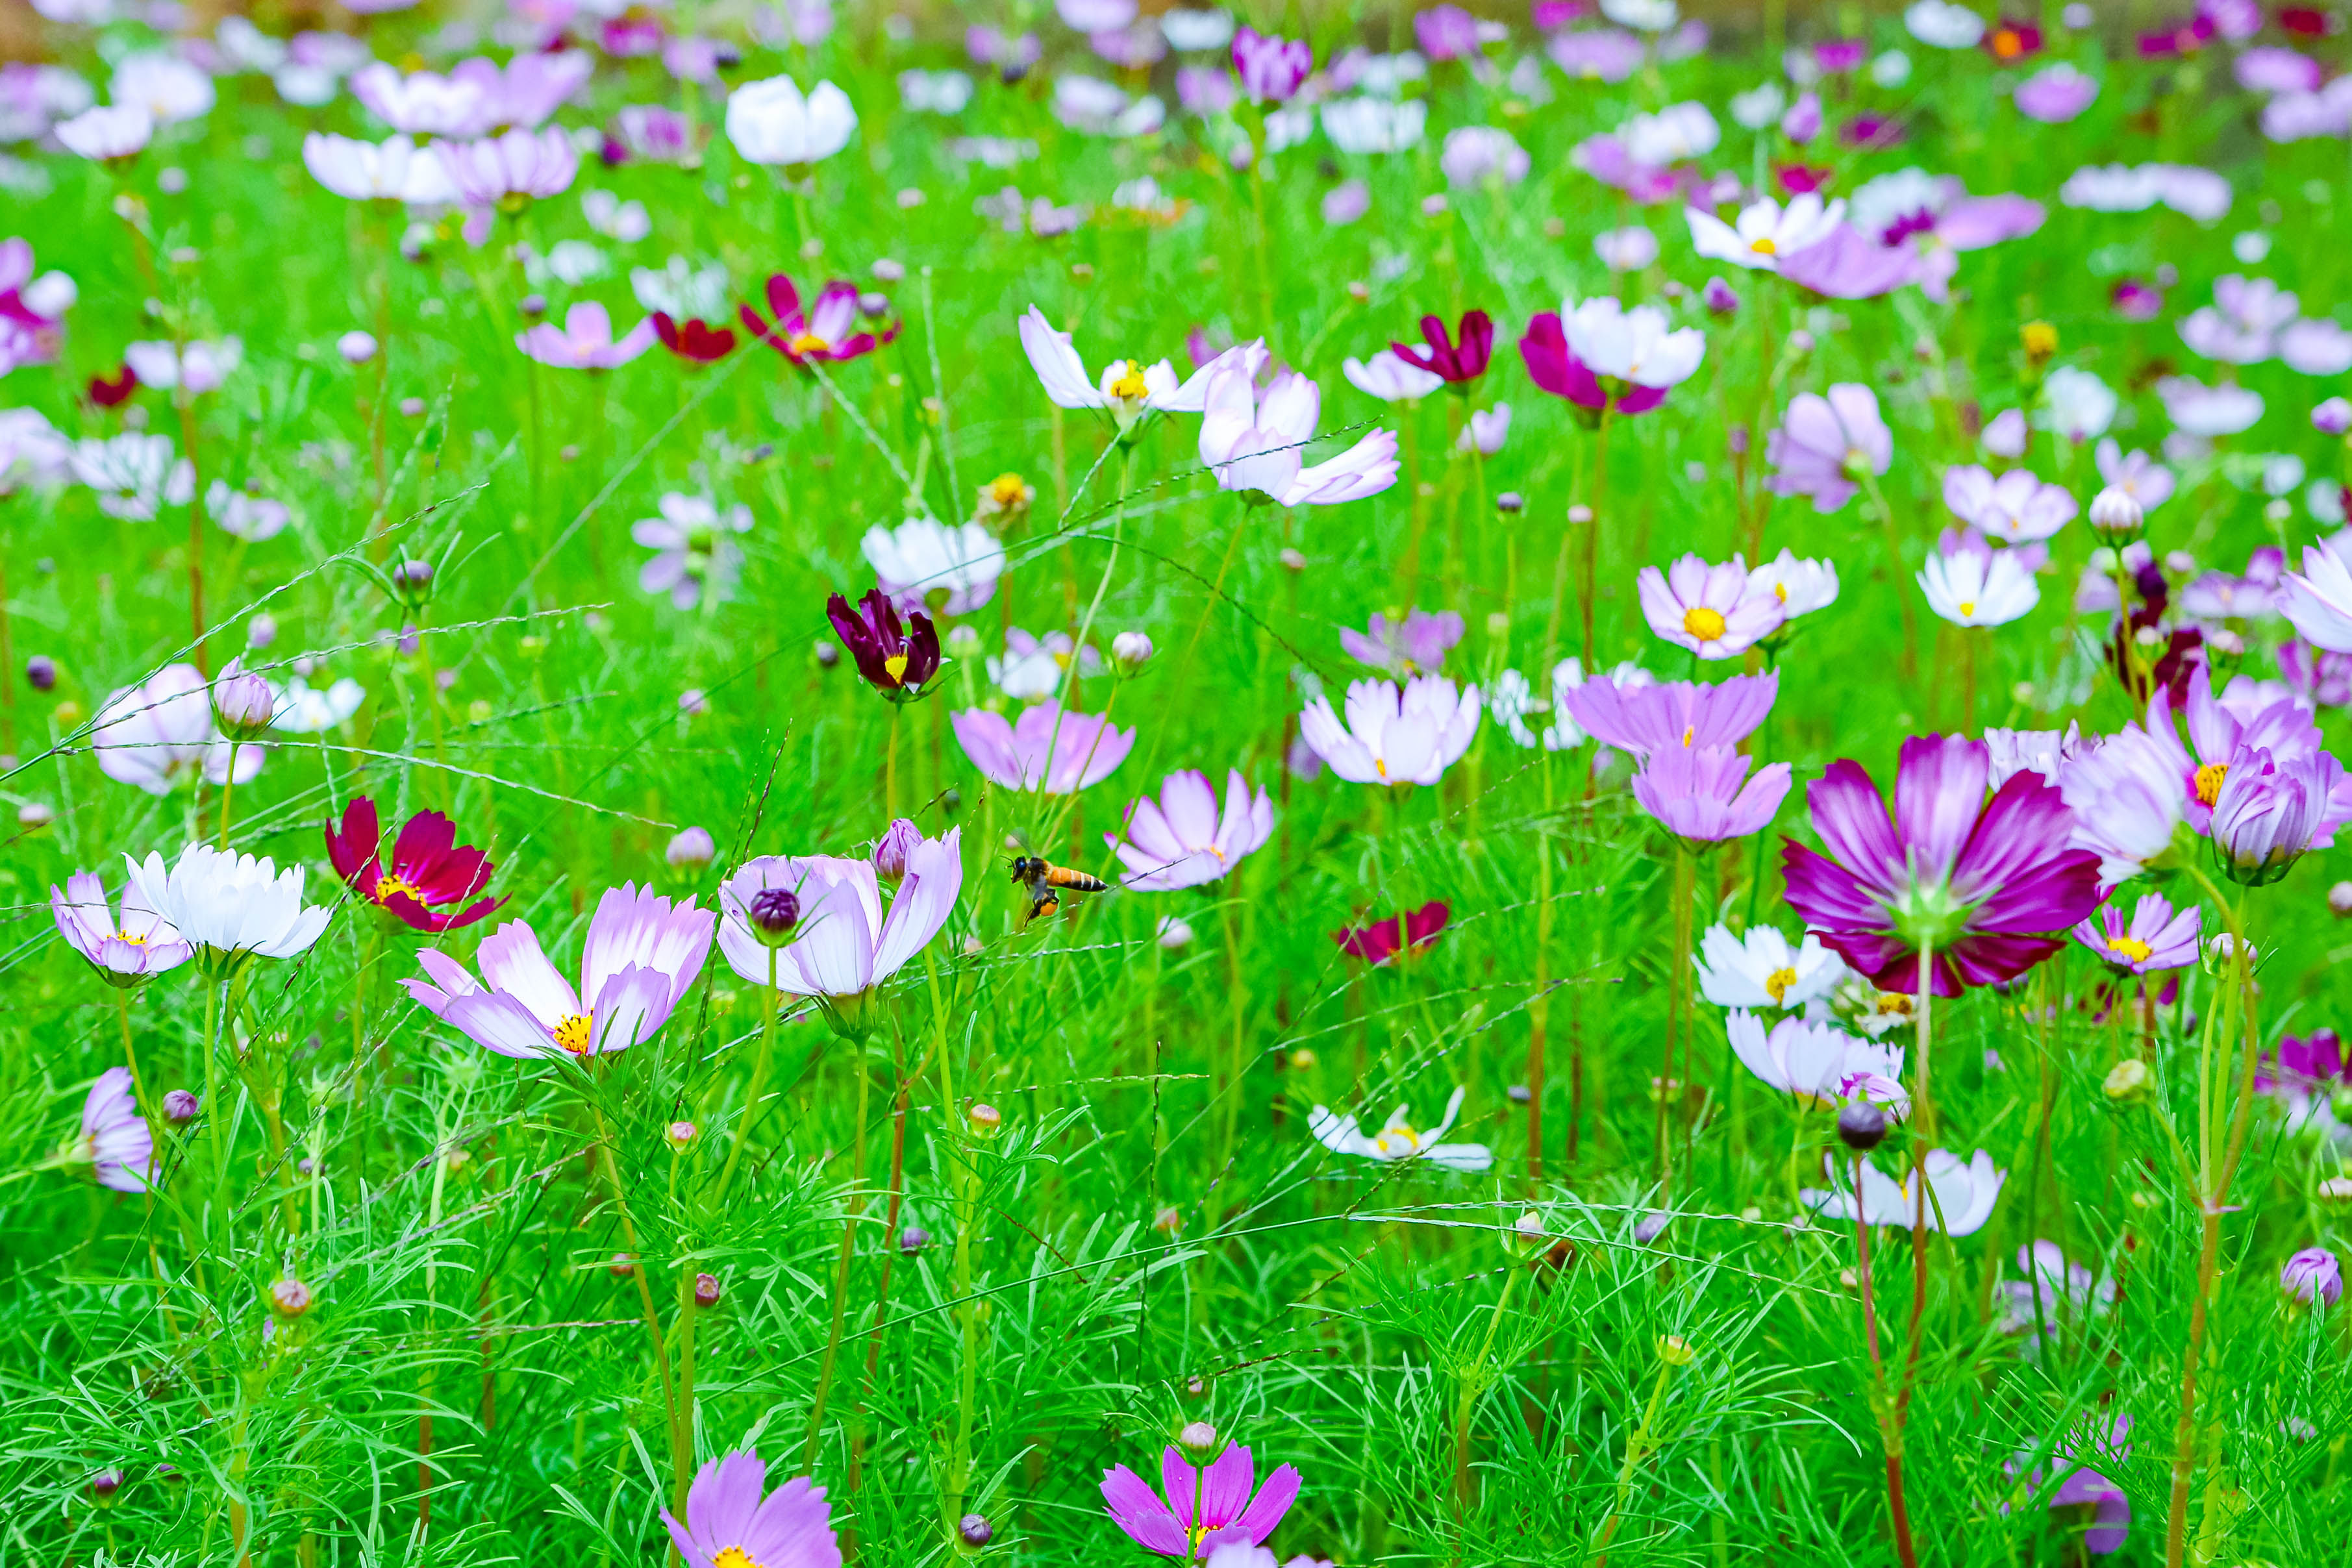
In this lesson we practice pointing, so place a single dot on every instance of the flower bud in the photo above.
(1580, 513)
(679, 1135)
(2333, 417)
(261, 632)
(895, 848)
(2335, 1190)
(41, 671)
(873, 304)
(1173, 933)
(2127, 1081)
(885, 270)
(1302, 1058)
(691, 849)
(2040, 338)
(1719, 297)
(180, 1107)
(622, 1267)
(105, 1484)
(974, 1530)
(1292, 560)
(913, 1241)
(2116, 514)
(1673, 1350)
(828, 652)
(1528, 1235)
(2312, 1275)
(705, 1290)
(2339, 900)
(694, 702)
(290, 1298)
(1861, 1127)
(36, 814)
(533, 305)
(1650, 1227)
(984, 1120)
(1519, 1094)
(243, 703)
(1200, 1441)
(1129, 650)
(963, 643)
(773, 911)
(356, 348)
(1510, 503)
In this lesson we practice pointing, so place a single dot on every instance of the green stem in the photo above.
(758, 1077)
(840, 1269)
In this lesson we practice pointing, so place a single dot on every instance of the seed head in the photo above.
(1862, 1126)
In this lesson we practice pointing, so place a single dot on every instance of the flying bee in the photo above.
(1044, 880)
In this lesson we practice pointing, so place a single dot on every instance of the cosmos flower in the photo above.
(138, 947)
(1272, 70)
(1759, 969)
(519, 164)
(134, 475)
(584, 341)
(2317, 601)
(2155, 940)
(642, 955)
(165, 86)
(115, 1141)
(1202, 1509)
(2055, 94)
(1407, 735)
(1970, 583)
(195, 367)
(2126, 796)
(1824, 445)
(160, 733)
(1483, 154)
(1398, 1139)
(229, 907)
(1645, 718)
(1127, 388)
(2311, 1276)
(1764, 231)
(732, 1521)
(430, 873)
(2271, 811)
(1981, 880)
(2200, 410)
(1255, 443)
(897, 660)
(1180, 840)
(2139, 476)
(1048, 749)
(1456, 364)
(691, 549)
(1416, 646)
(923, 558)
(395, 170)
(1800, 586)
(2016, 508)
(107, 135)
(1365, 126)
(823, 333)
(1391, 379)
(772, 122)
(1963, 1194)
(2079, 1486)
(1702, 794)
(1819, 1066)
(1033, 669)
(1709, 609)
(1847, 264)
(1378, 942)
(2077, 405)
(846, 943)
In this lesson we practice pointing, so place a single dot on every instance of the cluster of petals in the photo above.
(429, 878)
(824, 331)
(774, 122)
(1759, 969)
(1394, 734)
(1199, 1509)
(1826, 443)
(2015, 508)
(229, 907)
(1256, 442)
(1714, 611)
(1398, 1139)
(1183, 841)
(732, 1519)
(1647, 718)
(1819, 1065)
(1960, 1198)
(846, 942)
(1048, 749)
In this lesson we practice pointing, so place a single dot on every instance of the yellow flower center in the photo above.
(1766, 245)
(386, 886)
(1967, 607)
(896, 666)
(733, 1557)
(2131, 947)
(2209, 782)
(1396, 1142)
(1690, 732)
(809, 343)
(1893, 1004)
(1702, 623)
(573, 1033)
(131, 937)
(1781, 591)
(1129, 387)
(2041, 340)
(1382, 769)
(1777, 984)
(1007, 489)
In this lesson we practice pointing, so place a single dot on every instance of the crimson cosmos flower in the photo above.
(1984, 881)
(430, 870)
(114, 391)
(697, 341)
(1377, 944)
(823, 332)
(897, 660)
(1458, 363)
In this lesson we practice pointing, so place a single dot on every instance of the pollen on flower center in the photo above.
(1967, 607)
(573, 1034)
(1766, 245)
(1690, 732)
(733, 1557)
(1893, 1004)
(809, 343)
(1397, 1140)
(386, 886)
(2209, 782)
(1130, 386)
(1381, 767)
(1781, 591)
(897, 665)
(1704, 623)
(2131, 947)
(1777, 984)
(131, 936)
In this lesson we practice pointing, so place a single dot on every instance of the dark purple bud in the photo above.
(105, 1484)
(42, 671)
(1510, 502)
(1719, 297)
(180, 1107)
(705, 1290)
(975, 1531)
(1862, 1126)
(913, 1240)
(828, 652)
(534, 305)
(773, 911)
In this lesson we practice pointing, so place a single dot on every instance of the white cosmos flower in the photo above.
(1126, 388)
(2201, 409)
(1765, 231)
(1635, 345)
(774, 122)
(1819, 1065)
(1759, 969)
(1391, 379)
(394, 170)
(1977, 585)
(301, 710)
(112, 131)
(924, 557)
(1393, 735)
(1675, 134)
(1760, 107)
(1398, 1139)
(133, 474)
(230, 906)
(2077, 405)
(163, 85)
(1962, 1195)
(1368, 125)
(1801, 586)
(1942, 24)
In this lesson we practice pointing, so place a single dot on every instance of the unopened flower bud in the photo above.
(356, 348)
(874, 304)
(105, 1484)
(691, 849)
(705, 1290)
(243, 703)
(885, 270)
(413, 580)
(984, 1120)
(41, 671)
(1528, 1232)
(1510, 503)
(622, 1267)
(2115, 514)
(2339, 900)
(2127, 1081)
(1800, 341)
(534, 305)
(1673, 1350)
(828, 652)
(974, 1530)
(1719, 297)
(1580, 513)
(2312, 1275)
(1517, 1094)
(1650, 1227)
(773, 911)
(2335, 1190)
(1292, 560)
(963, 643)
(1200, 1441)
(1302, 1058)
(913, 1240)
(679, 1134)
(895, 848)
(180, 1107)
(1168, 1221)
(694, 702)
(1861, 1127)
(1173, 933)
(1128, 651)
(290, 1298)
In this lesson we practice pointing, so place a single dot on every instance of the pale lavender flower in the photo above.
(1475, 154)
(2055, 94)
(139, 946)
(1712, 610)
(1703, 795)
(115, 1141)
(584, 341)
(1408, 734)
(845, 944)
(2139, 476)
(1181, 841)
(487, 172)
(1824, 445)
(159, 734)
(2311, 1275)
(692, 551)
(2016, 508)
(2156, 938)
(1048, 749)
(1416, 646)
(1272, 70)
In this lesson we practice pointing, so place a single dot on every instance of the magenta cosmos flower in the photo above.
(1825, 445)
(115, 1140)
(2156, 939)
(1698, 793)
(584, 341)
(1272, 70)
(826, 331)
(1180, 840)
(843, 943)
(1648, 719)
(1710, 610)
(734, 1522)
(1983, 882)
(1193, 1519)
(1412, 646)
(641, 955)
(1048, 749)
(1378, 942)
(1457, 364)
(139, 947)
(431, 871)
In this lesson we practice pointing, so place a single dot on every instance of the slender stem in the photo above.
(680, 1454)
(891, 766)
(1890, 1432)
(195, 523)
(1897, 576)
(228, 788)
(1592, 564)
(1683, 890)
(758, 1077)
(1472, 1385)
(216, 1116)
(1637, 1448)
(1923, 1120)
(840, 1269)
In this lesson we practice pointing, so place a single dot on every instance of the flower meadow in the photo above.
(810, 783)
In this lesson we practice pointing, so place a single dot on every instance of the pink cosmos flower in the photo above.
(2083, 1487)
(1414, 647)
(732, 1521)
(2016, 508)
(1850, 265)
(1181, 842)
(642, 955)
(1648, 719)
(1825, 443)
(159, 734)
(844, 944)
(1696, 793)
(1272, 70)
(2139, 476)
(2220, 731)
(2055, 94)
(1408, 734)
(584, 341)
(1256, 444)
(486, 173)
(2273, 811)
(141, 946)
(115, 1140)
(1202, 1509)
(1982, 881)
(2319, 599)
(2156, 939)
(396, 171)
(824, 333)
(1048, 749)
(1710, 610)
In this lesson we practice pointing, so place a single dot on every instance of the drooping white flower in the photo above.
(772, 122)
(1398, 1139)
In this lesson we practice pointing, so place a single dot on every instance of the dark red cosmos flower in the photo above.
(430, 870)
(2303, 21)
(113, 393)
(2011, 41)
(1441, 356)
(896, 659)
(823, 332)
(1377, 944)
(697, 341)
